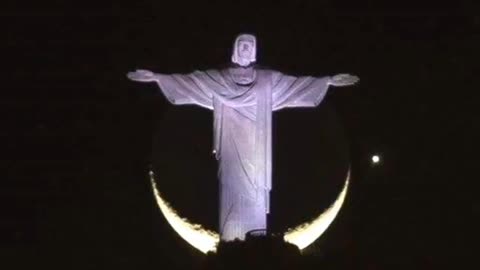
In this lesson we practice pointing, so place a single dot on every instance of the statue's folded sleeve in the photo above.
(182, 89)
(290, 91)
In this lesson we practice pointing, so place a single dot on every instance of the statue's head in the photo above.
(244, 50)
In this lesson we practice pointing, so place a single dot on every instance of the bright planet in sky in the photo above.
(375, 159)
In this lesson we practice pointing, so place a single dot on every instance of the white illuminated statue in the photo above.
(243, 98)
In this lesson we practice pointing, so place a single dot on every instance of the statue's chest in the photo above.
(248, 83)
(243, 77)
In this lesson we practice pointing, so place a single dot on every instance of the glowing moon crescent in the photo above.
(200, 238)
(305, 234)
(206, 240)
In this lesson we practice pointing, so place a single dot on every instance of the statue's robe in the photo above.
(243, 134)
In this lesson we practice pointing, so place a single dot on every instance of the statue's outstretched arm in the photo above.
(179, 89)
(142, 75)
(343, 80)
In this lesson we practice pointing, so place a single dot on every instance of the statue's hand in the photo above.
(343, 80)
(141, 75)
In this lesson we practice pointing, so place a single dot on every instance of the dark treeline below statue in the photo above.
(259, 252)
(267, 252)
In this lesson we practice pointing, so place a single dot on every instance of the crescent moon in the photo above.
(194, 234)
(305, 234)
(206, 241)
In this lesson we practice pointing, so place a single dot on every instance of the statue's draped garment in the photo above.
(243, 134)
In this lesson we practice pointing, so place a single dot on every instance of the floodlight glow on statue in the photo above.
(243, 98)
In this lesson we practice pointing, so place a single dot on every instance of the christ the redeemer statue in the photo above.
(243, 98)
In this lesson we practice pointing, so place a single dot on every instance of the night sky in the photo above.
(79, 138)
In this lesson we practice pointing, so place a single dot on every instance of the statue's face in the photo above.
(245, 49)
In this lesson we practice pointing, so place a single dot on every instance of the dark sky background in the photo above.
(79, 138)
